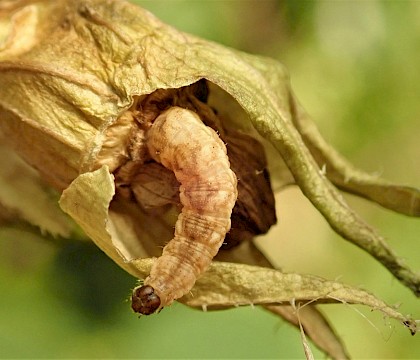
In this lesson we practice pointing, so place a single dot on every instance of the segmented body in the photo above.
(180, 141)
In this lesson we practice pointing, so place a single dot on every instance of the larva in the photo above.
(180, 141)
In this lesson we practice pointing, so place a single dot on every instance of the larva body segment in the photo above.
(182, 143)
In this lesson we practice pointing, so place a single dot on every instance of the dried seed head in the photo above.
(144, 300)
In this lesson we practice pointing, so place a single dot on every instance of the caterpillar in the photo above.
(180, 141)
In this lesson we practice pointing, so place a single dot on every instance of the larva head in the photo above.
(144, 300)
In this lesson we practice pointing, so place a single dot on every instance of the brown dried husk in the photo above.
(69, 71)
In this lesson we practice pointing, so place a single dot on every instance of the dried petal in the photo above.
(92, 216)
(25, 197)
(228, 285)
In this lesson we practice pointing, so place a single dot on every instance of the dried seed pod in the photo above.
(183, 144)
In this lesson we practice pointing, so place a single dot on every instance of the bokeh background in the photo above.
(355, 66)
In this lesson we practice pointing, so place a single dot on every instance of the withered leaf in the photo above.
(229, 285)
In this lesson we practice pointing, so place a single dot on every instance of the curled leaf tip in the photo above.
(411, 325)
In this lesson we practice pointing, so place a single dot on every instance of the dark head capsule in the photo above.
(144, 300)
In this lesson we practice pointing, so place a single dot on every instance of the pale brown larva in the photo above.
(180, 141)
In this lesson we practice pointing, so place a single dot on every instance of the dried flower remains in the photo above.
(141, 128)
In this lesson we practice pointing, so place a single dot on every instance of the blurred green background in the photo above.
(355, 66)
